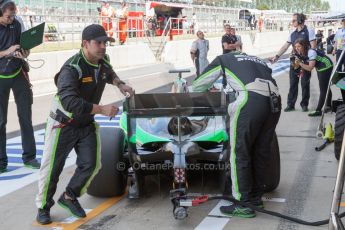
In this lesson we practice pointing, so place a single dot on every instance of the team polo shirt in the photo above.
(306, 34)
(322, 62)
(9, 36)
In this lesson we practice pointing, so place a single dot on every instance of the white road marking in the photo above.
(272, 199)
(8, 186)
(212, 223)
(217, 220)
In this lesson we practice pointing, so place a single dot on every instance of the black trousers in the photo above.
(293, 90)
(341, 68)
(324, 78)
(23, 98)
(59, 142)
(251, 134)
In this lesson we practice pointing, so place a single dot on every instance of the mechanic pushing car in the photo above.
(253, 119)
(71, 124)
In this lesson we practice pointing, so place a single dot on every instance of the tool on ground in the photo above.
(335, 74)
(328, 137)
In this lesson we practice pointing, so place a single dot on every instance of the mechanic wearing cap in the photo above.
(14, 76)
(253, 119)
(339, 46)
(71, 123)
(308, 34)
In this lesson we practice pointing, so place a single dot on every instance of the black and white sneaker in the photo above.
(43, 216)
(72, 205)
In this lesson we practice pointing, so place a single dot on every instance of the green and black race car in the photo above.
(170, 133)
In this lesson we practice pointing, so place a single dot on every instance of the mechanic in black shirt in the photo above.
(252, 123)
(71, 124)
(229, 40)
(308, 34)
(14, 76)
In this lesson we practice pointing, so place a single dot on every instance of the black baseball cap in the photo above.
(96, 32)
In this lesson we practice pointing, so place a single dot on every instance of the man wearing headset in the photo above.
(14, 76)
(301, 31)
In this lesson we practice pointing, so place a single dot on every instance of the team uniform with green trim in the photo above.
(252, 124)
(13, 77)
(324, 67)
(71, 126)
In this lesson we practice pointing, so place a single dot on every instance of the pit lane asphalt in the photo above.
(307, 183)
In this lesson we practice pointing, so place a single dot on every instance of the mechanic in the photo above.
(199, 52)
(310, 59)
(339, 46)
(14, 75)
(71, 123)
(229, 40)
(253, 119)
(308, 34)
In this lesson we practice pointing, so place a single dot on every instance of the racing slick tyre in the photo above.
(273, 168)
(111, 179)
(339, 126)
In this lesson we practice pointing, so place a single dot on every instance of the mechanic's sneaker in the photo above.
(237, 210)
(72, 205)
(289, 109)
(43, 216)
(305, 108)
(315, 114)
(33, 164)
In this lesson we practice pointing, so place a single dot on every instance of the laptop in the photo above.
(32, 37)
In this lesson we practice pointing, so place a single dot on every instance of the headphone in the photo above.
(300, 18)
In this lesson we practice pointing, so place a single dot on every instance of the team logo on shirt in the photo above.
(86, 80)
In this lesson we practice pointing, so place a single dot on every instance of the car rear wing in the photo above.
(176, 104)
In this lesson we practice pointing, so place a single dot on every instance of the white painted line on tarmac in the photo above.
(212, 223)
(8, 186)
(19, 156)
(216, 212)
(217, 220)
(272, 199)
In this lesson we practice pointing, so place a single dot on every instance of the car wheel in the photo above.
(111, 179)
(273, 168)
(339, 126)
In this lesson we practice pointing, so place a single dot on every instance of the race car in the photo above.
(171, 133)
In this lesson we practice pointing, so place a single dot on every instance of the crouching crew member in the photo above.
(253, 119)
(71, 123)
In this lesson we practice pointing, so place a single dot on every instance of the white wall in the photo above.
(120, 57)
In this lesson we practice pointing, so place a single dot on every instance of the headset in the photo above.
(300, 18)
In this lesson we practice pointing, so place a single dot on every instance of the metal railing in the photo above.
(65, 32)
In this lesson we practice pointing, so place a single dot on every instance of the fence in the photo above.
(65, 31)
